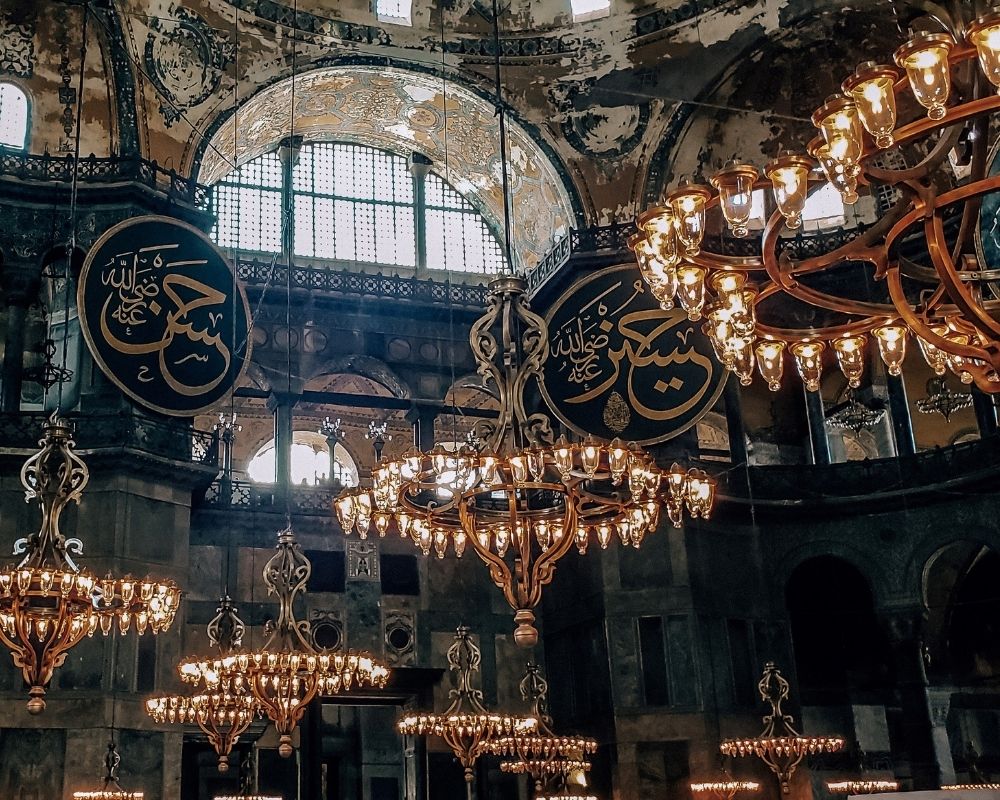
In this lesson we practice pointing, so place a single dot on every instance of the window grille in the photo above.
(354, 204)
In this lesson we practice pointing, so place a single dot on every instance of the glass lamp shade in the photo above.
(837, 171)
(850, 352)
(742, 360)
(661, 231)
(936, 358)
(688, 204)
(871, 88)
(891, 340)
(691, 290)
(838, 119)
(925, 59)
(789, 176)
(735, 186)
(809, 361)
(770, 361)
(984, 35)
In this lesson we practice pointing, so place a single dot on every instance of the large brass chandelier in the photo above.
(541, 754)
(48, 604)
(285, 674)
(933, 285)
(521, 500)
(780, 746)
(221, 714)
(466, 726)
(723, 789)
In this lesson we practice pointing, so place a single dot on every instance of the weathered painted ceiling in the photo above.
(405, 111)
(618, 107)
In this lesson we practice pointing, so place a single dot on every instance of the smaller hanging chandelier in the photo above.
(854, 415)
(111, 790)
(541, 754)
(223, 716)
(862, 786)
(48, 604)
(942, 400)
(779, 745)
(971, 787)
(286, 674)
(247, 797)
(466, 726)
(724, 790)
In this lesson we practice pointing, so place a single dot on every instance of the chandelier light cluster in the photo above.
(466, 726)
(541, 754)
(48, 604)
(862, 786)
(222, 715)
(724, 789)
(521, 500)
(285, 674)
(946, 305)
(780, 746)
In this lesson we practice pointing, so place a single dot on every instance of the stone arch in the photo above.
(402, 110)
(366, 366)
(935, 540)
(866, 562)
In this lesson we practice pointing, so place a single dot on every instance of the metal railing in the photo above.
(256, 273)
(112, 169)
(129, 430)
(247, 495)
(872, 480)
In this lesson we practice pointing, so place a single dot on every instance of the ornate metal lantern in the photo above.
(48, 604)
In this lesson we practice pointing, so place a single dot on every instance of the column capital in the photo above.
(277, 399)
(421, 412)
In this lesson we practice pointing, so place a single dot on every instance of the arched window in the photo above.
(310, 462)
(354, 204)
(13, 116)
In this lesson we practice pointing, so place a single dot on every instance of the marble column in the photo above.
(422, 417)
(816, 418)
(899, 412)
(282, 405)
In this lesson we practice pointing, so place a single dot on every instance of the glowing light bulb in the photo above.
(925, 59)
(789, 175)
(770, 362)
(872, 89)
(735, 186)
(688, 204)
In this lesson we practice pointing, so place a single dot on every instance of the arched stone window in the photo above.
(13, 116)
(310, 462)
(354, 204)
(450, 131)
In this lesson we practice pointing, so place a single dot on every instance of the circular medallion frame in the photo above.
(143, 388)
(641, 323)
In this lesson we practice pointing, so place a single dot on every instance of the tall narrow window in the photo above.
(653, 661)
(13, 116)
(395, 12)
(584, 10)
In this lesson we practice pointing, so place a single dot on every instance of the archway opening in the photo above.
(310, 462)
(841, 651)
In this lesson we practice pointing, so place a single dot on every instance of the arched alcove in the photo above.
(962, 593)
(310, 462)
(841, 650)
(405, 111)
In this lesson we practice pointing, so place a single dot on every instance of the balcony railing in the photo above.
(855, 482)
(49, 168)
(261, 274)
(247, 495)
(171, 440)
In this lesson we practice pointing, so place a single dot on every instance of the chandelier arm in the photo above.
(544, 567)
(827, 332)
(535, 428)
(957, 290)
(499, 571)
(922, 329)
(485, 349)
(919, 171)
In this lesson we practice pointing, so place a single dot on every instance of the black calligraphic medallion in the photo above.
(162, 315)
(620, 366)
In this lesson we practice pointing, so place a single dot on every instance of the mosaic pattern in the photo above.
(17, 47)
(186, 59)
(404, 112)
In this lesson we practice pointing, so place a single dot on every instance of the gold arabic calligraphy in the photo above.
(584, 345)
(144, 281)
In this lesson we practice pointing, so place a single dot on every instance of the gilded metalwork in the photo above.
(48, 604)
(779, 745)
